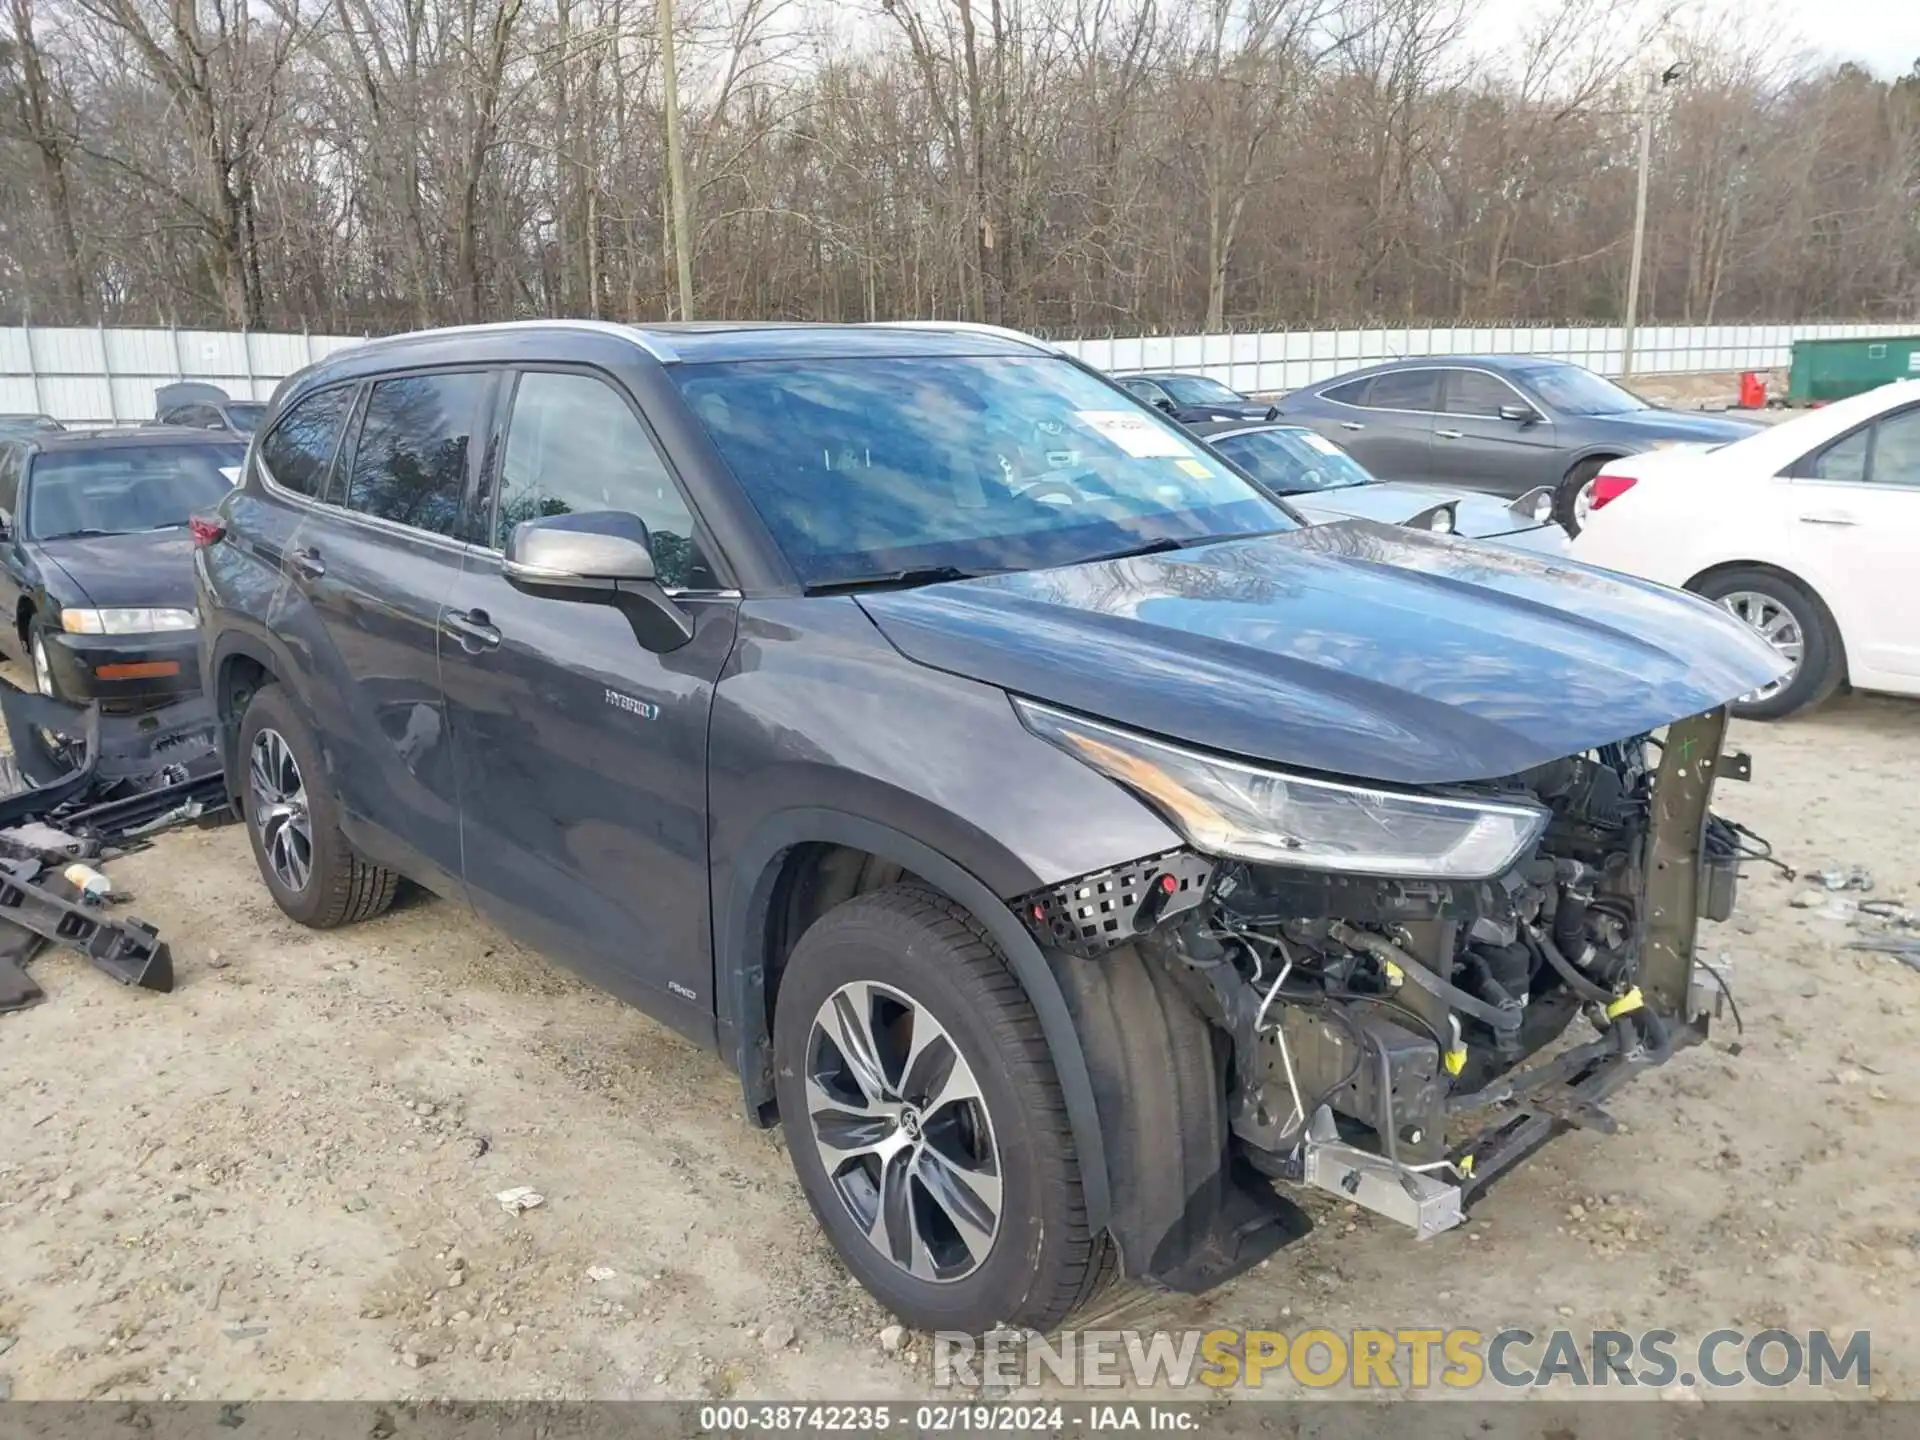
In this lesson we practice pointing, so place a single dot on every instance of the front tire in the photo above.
(1795, 623)
(313, 873)
(925, 1120)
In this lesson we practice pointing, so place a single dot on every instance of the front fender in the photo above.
(740, 964)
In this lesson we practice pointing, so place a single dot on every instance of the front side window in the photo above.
(1474, 392)
(573, 445)
(1574, 391)
(299, 452)
(1404, 390)
(1201, 390)
(863, 467)
(122, 489)
(410, 466)
(1293, 462)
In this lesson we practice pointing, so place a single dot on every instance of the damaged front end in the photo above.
(1394, 979)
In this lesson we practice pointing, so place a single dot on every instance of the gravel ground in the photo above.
(279, 1181)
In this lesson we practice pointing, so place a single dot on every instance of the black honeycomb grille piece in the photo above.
(1093, 914)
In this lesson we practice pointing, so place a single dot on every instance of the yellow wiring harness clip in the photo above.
(1464, 1165)
(1626, 1004)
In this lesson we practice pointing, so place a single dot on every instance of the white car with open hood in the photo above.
(1809, 532)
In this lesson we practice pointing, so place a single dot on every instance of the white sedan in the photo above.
(1809, 532)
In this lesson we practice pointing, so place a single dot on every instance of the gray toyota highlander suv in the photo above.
(1074, 852)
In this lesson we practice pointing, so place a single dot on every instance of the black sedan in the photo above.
(96, 568)
(1193, 399)
(1325, 484)
(1501, 423)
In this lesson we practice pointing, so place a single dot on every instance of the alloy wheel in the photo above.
(903, 1132)
(1775, 624)
(279, 809)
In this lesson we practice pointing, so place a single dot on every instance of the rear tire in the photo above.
(293, 820)
(907, 968)
(1566, 496)
(1766, 597)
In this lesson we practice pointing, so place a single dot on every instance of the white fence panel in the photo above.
(80, 374)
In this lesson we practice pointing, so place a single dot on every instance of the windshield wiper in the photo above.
(81, 534)
(921, 575)
(1161, 546)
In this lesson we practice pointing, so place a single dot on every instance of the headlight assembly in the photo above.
(1230, 807)
(125, 622)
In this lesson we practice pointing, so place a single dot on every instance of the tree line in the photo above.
(1072, 166)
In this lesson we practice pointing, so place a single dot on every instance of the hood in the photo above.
(149, 567)
(1650, 426)
(1394, 502)
(1354, 649)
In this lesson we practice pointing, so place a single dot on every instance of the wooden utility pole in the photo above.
(676, 164)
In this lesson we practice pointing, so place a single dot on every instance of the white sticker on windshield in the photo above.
(1320, 443)
(1135, 434)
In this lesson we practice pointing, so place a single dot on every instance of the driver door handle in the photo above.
(1828, 517)
(1448, 434)
(308, 562)
(1351, 425)
(473, 629)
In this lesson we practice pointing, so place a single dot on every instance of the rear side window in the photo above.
(1354, 392)
(1403, 390)
(410, 466)
(573, 446)
(1845, 459)
(299, 452)
(9, 479)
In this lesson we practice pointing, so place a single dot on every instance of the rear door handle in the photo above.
(1448, 434)
(1828, 517)
(473, 629)
(308, 562)
(1351, 425)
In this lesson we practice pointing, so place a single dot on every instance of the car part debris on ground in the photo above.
(82, 784)
(520, 1199)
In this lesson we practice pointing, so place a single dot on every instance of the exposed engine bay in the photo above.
(1402, 1042)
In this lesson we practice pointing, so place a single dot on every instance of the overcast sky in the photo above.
(1883, 35)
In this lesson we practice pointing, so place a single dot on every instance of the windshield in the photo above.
(1199, 390)
(1292, 462)
(120, 489)
(865, 466)
(1573, 391)
(245, 416)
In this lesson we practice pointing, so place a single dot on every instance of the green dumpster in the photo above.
(1835, 369)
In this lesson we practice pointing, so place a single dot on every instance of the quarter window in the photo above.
(1354, 392)
(574, 446)
(410, 466)
(298, 452)
(1474, 392)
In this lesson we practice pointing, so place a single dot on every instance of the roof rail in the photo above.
(651, 341)
(971, 327)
